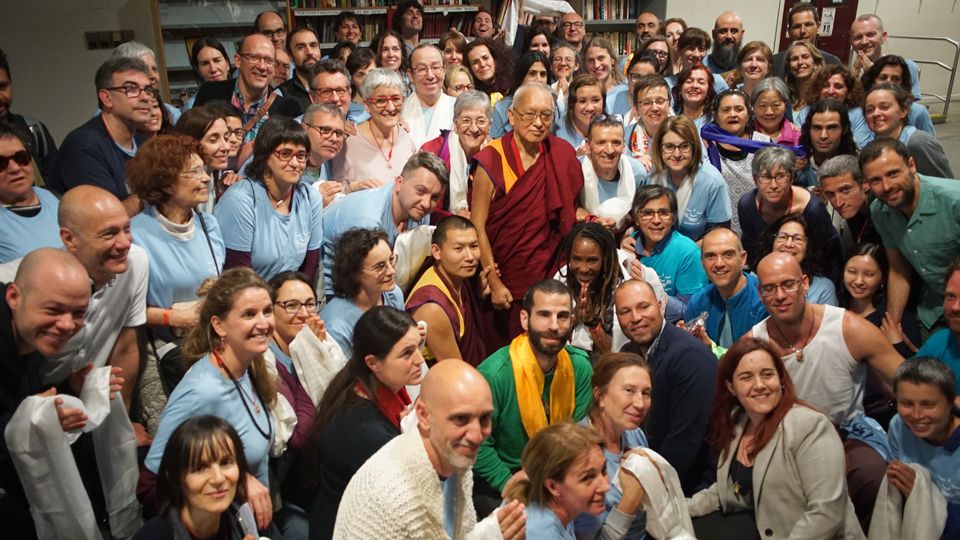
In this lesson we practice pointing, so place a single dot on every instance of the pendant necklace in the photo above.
(386, 157)
(244, 396)
(798, 351)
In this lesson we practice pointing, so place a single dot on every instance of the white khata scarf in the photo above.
(615, 208)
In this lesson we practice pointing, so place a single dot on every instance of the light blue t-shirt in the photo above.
(499, 123)
(943, 346)
(340, 316)
(822, 291)
(709, 202)
(543, 524)
(590, 524)
(20, 235)
(569, 134)
(607, 188)
(177, 266)
(365, 209)
(276, 242)
(203, 390)
(943, 462)
(618, 101)
(676, 260)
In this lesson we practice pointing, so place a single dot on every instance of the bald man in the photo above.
(727, 38)
(42, 309)
(826, 350)
(94, 227)
(731, 301)
(419, 484)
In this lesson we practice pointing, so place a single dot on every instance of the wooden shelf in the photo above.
(611, 22)
(326, 12)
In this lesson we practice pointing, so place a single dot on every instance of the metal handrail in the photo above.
(952, 70)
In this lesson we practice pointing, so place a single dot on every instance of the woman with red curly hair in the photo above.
(184, 244)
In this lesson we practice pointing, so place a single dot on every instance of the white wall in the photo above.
(760, 17)
(52, 69)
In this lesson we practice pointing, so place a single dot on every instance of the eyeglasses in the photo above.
(327, 93)
(669, 148)
(781, 178)
(795, 238)
(257, 59)
(292, 307)
(789, 286)
(528, 117)
(381, 267)
(285, 154)
(659, 102)
(326, 131)
(659, 54)
(133, 91)
(235, 134)
(481, 122)
(274, 34)
(462, 87)
(21, 158)
(198, 173)
(421, 71)
(568, 25)
(382, 101)
(647, 215)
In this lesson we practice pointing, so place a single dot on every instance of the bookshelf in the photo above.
(437, 18)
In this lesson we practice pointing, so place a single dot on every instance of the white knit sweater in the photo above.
(396, 495)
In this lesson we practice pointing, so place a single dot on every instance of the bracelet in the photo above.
(166, 317)
(590, 218)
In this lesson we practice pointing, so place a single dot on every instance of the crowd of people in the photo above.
(507, 286)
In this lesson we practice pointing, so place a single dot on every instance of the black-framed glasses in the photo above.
(235, 134)
(327, 93)
(326, 131)
(572, 24)
(274, 34)
(285, 154)
(781, 178)
(20, 157)
(133, 90)
(647, 214)
(292, 307)
(789, 286)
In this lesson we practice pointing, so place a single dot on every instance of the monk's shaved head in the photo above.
(84, 204)
(454, 415)
(529, 91)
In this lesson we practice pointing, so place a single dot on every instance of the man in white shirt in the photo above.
(429, 109)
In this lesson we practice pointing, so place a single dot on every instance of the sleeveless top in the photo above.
(828, 377)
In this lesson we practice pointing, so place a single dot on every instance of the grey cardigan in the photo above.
(799, 482)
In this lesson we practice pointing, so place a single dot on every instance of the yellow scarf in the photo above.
(529, 379)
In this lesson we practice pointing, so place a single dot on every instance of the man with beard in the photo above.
(944, 345)
(918, 218)
(408, 20)
(538, 380)
(304, 49)
(803, 23)
(727, 38)
(826, 350)
(841, 183)
(445, 297)
(42, 147)
(396, 207)
(418, 485)
(429, 109)
(683, 372)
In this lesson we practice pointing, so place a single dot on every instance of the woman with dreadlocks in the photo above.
(595, 267)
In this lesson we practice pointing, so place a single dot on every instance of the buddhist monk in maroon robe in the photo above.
(524, 200)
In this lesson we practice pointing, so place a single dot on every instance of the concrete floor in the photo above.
(949, 135)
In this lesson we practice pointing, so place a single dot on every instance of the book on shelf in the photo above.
(355, 4)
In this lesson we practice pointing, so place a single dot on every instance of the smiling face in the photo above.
(755, 67)
(481, 63)
(289, 325)
(427, 73)
(639, 313)
(586, 260)
(190, 189)
(16, 180)
(460, 82)
(606, 146)
(584, 485)
(100, 238)
(211, 65)
(458, 424)
(892, 180)
(653, 104)
(451, 55)
(588, 103)
(391, 53)
(348, 30)
(692, 55)
(483, 25)
(286, 171)
(45, 317)
(884, 115)
(378, 274)
(862, 277)
(325, 147)
(539, 43)
(571, 28)
(411, 22)
(599, 63)
(723, 259)
(925, 410)
(677, 153)
(756, 384)
(459, 254)
(844, 194)
(867, 37)
(791, 239)
(564, 63)
(653, 226)
(216, 147)
(247, 327)
(211, 485)
(626, 400)
(826, 132)
(472, 126)
(402, 365)
(694, 89)
(800, 62)
(770, 108)
(388, 117)
(732, 114)
(548, 323)
(419, 193)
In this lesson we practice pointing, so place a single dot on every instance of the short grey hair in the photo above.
(472, 99)
(838, 165)
(381, 77)
(420, 47)
(317, 108)
(775, 84)
(132, 49)
(326, 66)
(927, 371)
(528, 87)
(769, 158)
(870, 17)
(428, 161)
